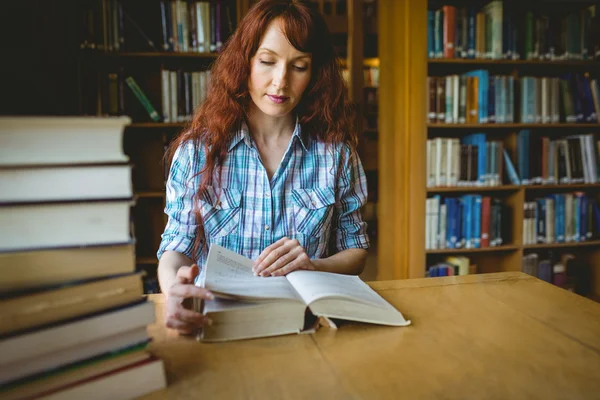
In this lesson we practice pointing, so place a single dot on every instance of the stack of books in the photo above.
(73, 317)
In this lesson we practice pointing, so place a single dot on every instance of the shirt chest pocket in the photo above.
(220, 211)
(313, 210)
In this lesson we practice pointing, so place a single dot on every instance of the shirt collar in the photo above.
(243, 133)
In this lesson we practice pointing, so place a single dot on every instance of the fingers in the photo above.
(269, 249)
(188, 274)
(275, 254)
(188, 290)
(301, 262)
(283, 261)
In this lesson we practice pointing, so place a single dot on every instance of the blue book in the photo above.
(439, 34)
(559, 201)
(467, 231)
(509, 114)
(472, 28)
(431, 33)
(451, 223)
(479, 140)
(510, 168)
(492, 100)
(476, 211)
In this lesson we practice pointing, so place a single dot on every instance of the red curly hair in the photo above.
(324, 111)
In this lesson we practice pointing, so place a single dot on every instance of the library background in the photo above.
(479, 119)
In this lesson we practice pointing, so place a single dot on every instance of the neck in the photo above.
(265, 128)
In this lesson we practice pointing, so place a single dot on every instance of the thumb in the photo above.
(187, 275)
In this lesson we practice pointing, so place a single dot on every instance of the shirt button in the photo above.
(314, 203)
(266, 227)
(267, 194)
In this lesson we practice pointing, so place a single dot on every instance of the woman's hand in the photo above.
(281, 258)
(177, 316)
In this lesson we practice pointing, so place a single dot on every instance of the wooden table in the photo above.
(492, 336)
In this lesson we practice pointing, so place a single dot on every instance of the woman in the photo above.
(268, 168)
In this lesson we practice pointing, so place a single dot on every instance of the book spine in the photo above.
(139, 94)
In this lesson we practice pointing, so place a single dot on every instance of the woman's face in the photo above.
(279, 73)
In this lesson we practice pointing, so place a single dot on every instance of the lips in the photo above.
(277, 99)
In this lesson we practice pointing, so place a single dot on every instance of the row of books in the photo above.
(182, 92)
(103, 25)
(571, 98)
(200, 26)
(506, 30)
(450, 266)
(478, 97)
(75, 319)
(459, 99)
(565, 271)
(561, 218)
(470, 161)
(469, 221)
(571, 160)
(195, 26)
(370, 76)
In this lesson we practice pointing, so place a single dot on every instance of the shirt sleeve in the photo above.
(181, 187)
(349, 228)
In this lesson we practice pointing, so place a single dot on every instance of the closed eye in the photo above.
(300, 68)
(267, 62)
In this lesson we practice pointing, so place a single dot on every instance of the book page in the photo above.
(231, 274)
(315, 285)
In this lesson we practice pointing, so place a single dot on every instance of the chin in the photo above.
(276, 111)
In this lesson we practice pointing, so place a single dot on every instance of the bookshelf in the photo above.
(405, 130)
(138, 27)
(524, 217)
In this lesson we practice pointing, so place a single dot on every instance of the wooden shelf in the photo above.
(579, 186)
(510, 188)
(474, 189)
(480, 250)
(511, 126)
(590, 243)
(570, 63)
(146, 260)
(157, 54)
(151, 194)
(157, 125)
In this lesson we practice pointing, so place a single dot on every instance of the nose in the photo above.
(280, 77)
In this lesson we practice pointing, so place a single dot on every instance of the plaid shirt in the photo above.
(314, 193)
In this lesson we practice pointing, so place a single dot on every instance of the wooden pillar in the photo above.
(356, 50)
(402, 138)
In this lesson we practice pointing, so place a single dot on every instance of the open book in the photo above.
(248, 306)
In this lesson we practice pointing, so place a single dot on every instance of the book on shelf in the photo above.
(563, 270)
(182, 92)
(507, 30)
(143, 99)
(561, 218)
(476, 97)
(248, 306)
(471, 161)
(195, 26)
(467, 222)
(451, 266)
(570, 160)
